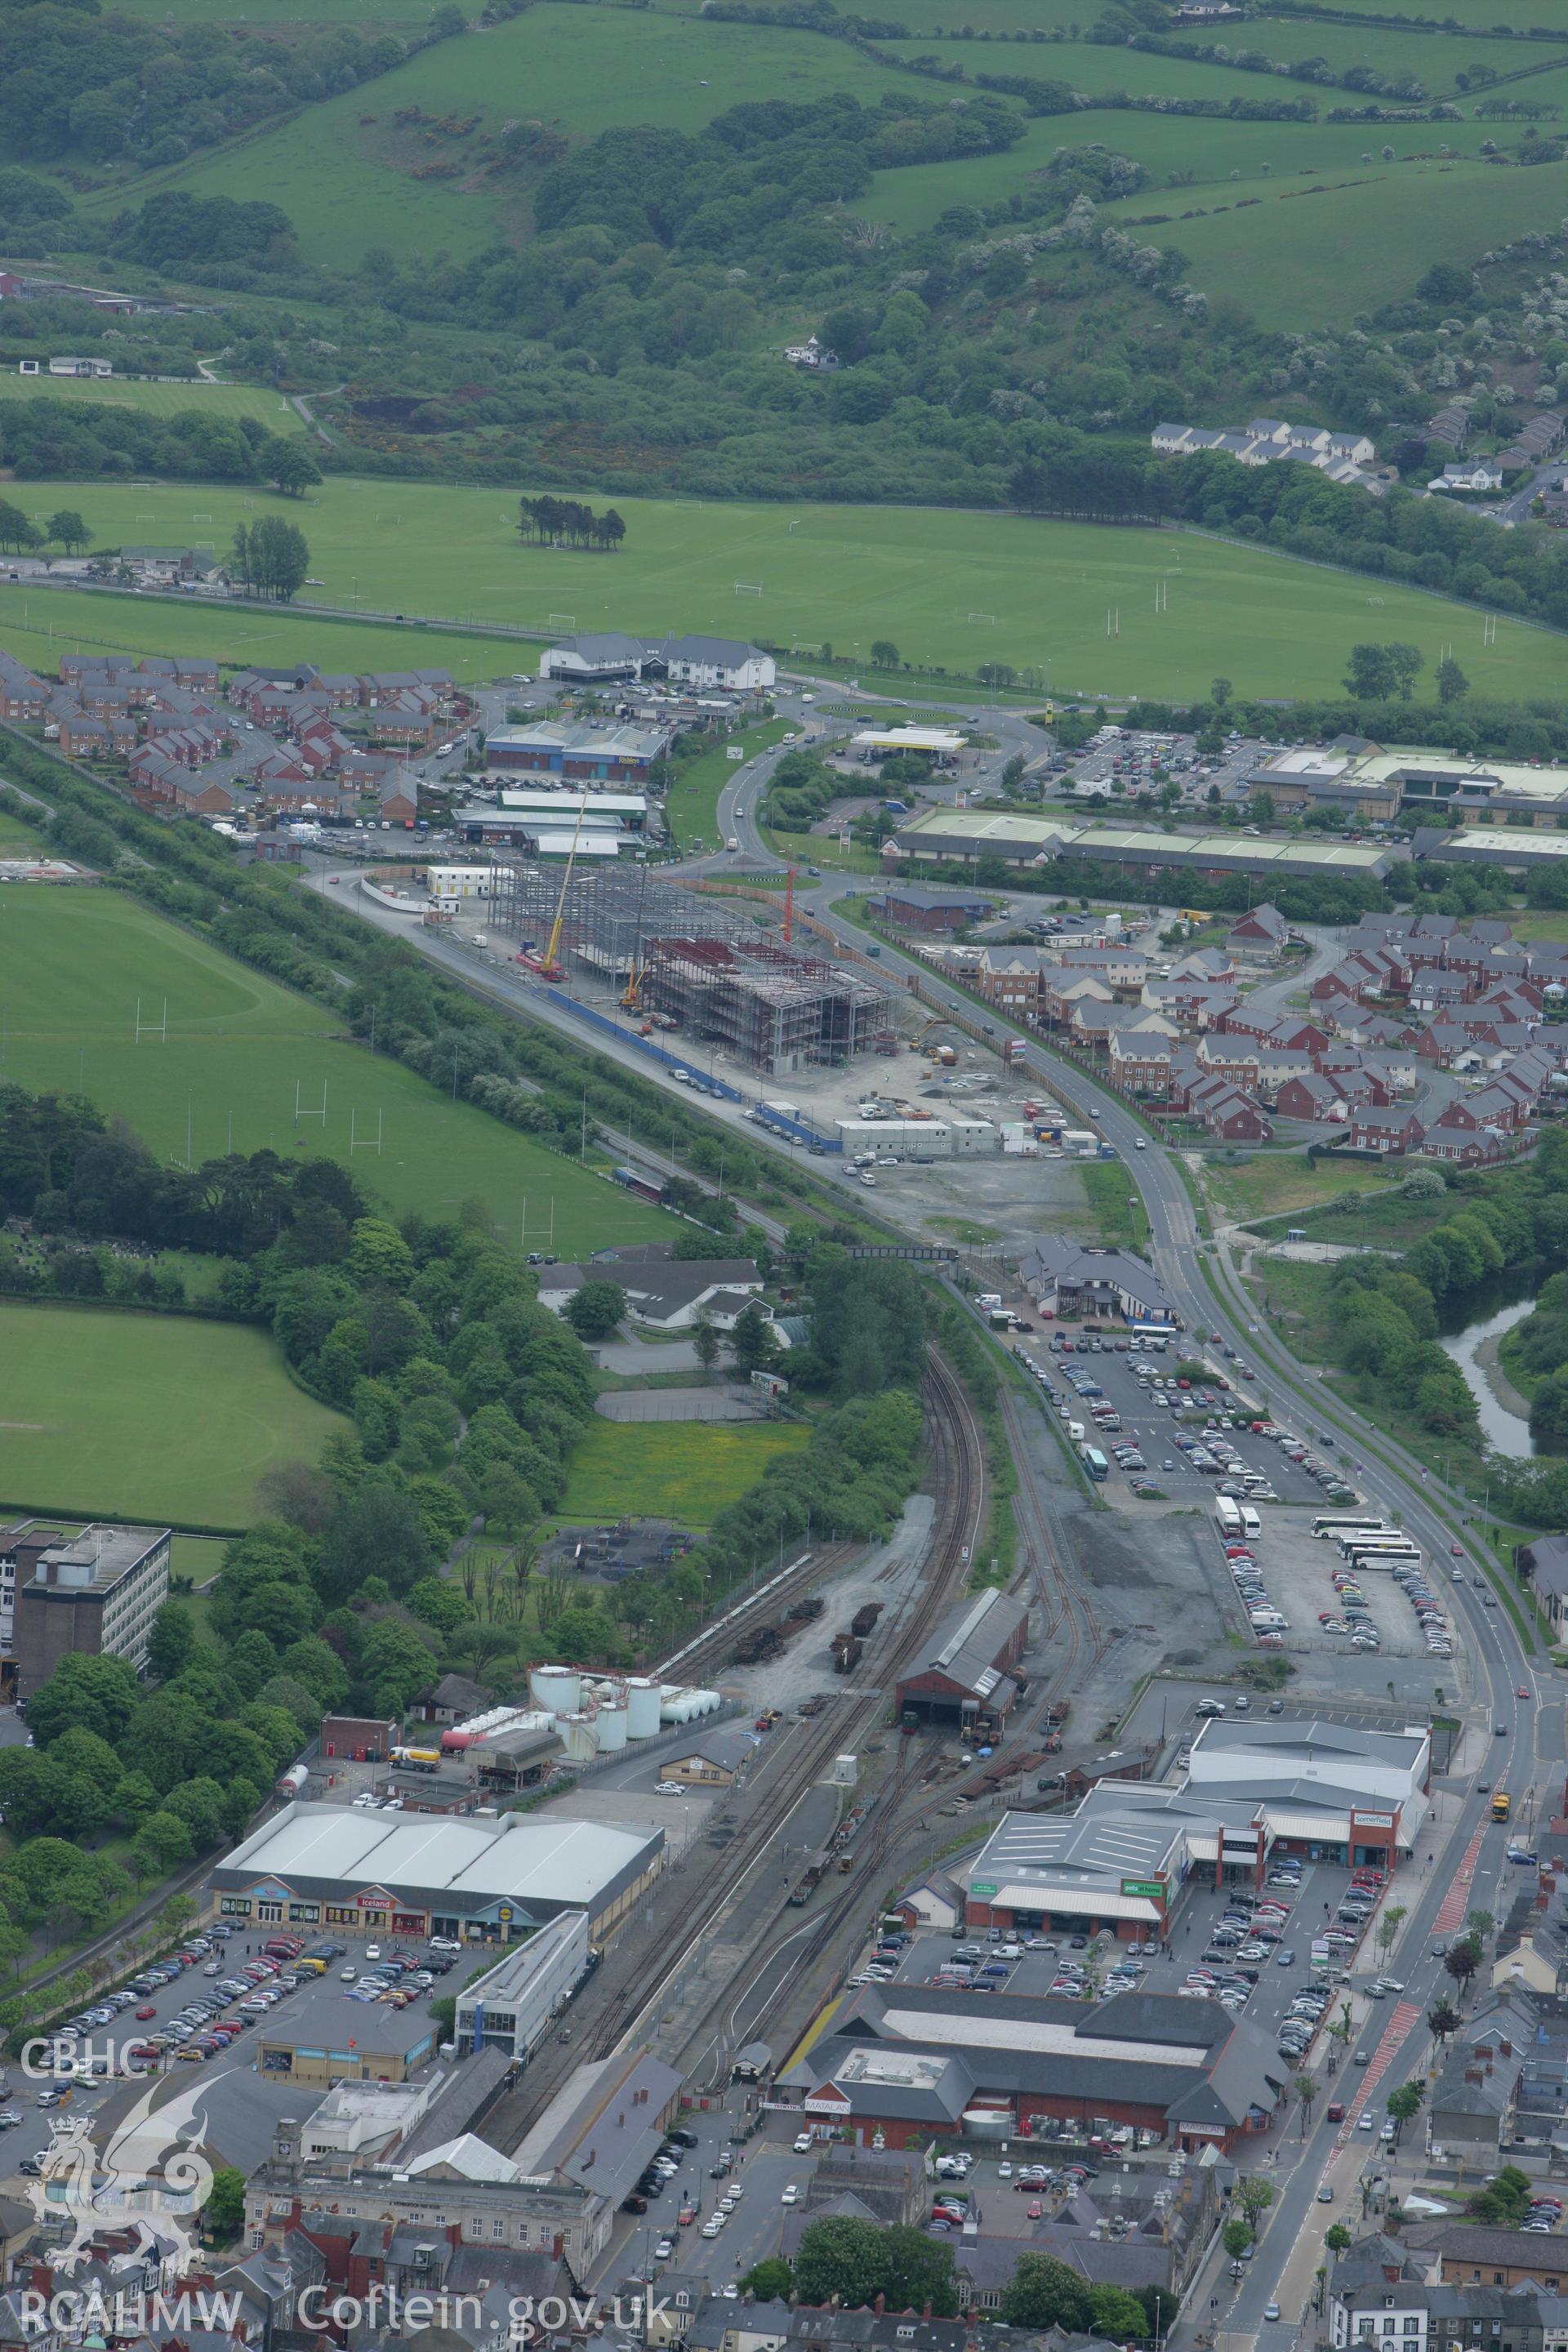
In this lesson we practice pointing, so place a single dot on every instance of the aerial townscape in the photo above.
(784, 1177)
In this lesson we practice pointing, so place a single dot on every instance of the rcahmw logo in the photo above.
(151, 2177)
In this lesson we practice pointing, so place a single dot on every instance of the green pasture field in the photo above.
(1276, 1182)
(39, 624)
(681, 1470)
(949, 588)
(343, 170)
(225, 400)
(237, 1045)
(911, 200)
(16, 839)
(1548, 925)
(145, 1417)
(1287, 259)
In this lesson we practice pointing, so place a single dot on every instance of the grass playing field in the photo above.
(39, 624)
(144, 1417)
(227, 400)
(238, 1047)
(681, 1470)
(948, 588)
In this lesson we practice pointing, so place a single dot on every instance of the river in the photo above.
(1504, 1430)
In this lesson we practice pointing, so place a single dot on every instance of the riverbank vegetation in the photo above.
(1376, 1318)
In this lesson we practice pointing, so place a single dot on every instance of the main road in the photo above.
(1514, 1740)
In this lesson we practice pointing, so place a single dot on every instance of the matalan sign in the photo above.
(835, 2106)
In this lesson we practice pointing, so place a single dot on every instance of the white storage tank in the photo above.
(707, 1702)
(558, 1688)
(612, 1727)
(675, 1704)
(642, 1708)
(580, 1736)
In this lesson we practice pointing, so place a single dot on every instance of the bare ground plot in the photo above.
(889, 1574)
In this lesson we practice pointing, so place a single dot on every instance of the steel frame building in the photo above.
(610, 912)
(765, 1004)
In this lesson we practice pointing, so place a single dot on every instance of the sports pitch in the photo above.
(950, 589)
(39, 624)
(144, 1417)
(242, 1055)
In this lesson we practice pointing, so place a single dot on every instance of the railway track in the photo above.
(1070, 1612)
(958, 1469)
(626, 1996)
(822, 1562)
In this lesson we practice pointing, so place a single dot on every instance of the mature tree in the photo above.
(1116, 2313)
(1235, 2237)
(884, 653)
(98, 1692)
(705, 1341)
(770, 2280)
(1306, 2091)
(398, 1662)
(1461, 1960)
(1338, 2238)
(66, 528)
(857, 2261)
(1402, 2103)
(161, 1845)
(16, 532)
(223, 2215)
(1452, 683)
(1220, 692)
(376, 1532)
(596, 1310)
(171, 1639)
(753, 1342)
(1254, 2196)
(271, 558)
(1384, 672)
(1046, 2292)
(291, 467)
(200, 1805)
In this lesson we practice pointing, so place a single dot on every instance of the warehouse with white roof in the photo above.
(482, 1882)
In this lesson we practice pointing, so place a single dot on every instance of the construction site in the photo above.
(721, 972)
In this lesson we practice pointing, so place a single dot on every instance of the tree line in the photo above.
(269, 557)
(53, 437)
(566, 522)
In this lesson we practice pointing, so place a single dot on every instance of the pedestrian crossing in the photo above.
(1390, 2042)
(1455, 1903)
